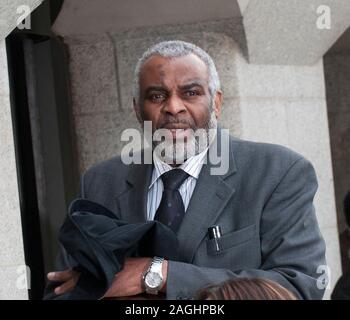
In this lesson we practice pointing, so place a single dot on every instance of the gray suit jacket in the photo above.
(264, 205)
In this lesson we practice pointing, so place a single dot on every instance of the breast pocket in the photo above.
(230, 240)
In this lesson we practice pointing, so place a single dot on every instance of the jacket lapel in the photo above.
(210, 196)
(133, 200)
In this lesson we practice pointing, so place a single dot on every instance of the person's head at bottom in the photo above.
(245, 289)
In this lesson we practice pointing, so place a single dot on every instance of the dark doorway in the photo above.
(45, 153)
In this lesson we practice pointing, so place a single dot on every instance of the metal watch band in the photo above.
(156, 267)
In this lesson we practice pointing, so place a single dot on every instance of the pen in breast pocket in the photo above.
(215, 233)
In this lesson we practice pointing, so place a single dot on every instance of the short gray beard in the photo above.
(175, 153)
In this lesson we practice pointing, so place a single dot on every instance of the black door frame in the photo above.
(43, 43)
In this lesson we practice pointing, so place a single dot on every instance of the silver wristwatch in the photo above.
(153, 277)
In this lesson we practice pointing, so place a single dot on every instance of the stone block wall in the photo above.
(11, 249)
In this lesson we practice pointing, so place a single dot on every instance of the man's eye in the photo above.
(157, 97)
(191, 93)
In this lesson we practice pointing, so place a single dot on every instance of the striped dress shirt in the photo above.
(192, 166)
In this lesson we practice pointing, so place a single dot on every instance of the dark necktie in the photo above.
(171, 208)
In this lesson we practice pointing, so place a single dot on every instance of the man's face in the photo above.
(174, 95)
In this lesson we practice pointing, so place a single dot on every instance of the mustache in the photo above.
(165, 122)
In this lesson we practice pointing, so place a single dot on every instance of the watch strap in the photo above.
(155, 266)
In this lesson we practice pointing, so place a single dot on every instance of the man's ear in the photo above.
(218, 103)
(137, 110)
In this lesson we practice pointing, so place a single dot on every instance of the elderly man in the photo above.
(261, 207)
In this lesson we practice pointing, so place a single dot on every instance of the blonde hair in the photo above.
(246, 289)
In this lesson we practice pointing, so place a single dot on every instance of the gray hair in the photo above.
(174, 49)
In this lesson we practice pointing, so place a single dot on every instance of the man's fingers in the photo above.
(67, 286)
(69, 277)
(61, 275)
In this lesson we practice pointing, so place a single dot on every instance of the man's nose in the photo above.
(174, 105)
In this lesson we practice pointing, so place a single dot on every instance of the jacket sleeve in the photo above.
(292, 247)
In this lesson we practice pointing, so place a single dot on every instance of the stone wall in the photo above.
(11, 243)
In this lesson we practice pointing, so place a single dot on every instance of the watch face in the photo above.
(153, 280)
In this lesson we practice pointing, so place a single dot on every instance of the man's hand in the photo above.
(69, 278)
(128, 282)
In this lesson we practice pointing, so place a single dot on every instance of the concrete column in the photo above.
(292, 32)
(12, 270)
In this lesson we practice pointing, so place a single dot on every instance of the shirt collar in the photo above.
(192, 166)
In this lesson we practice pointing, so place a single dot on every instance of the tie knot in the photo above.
(174, 178)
